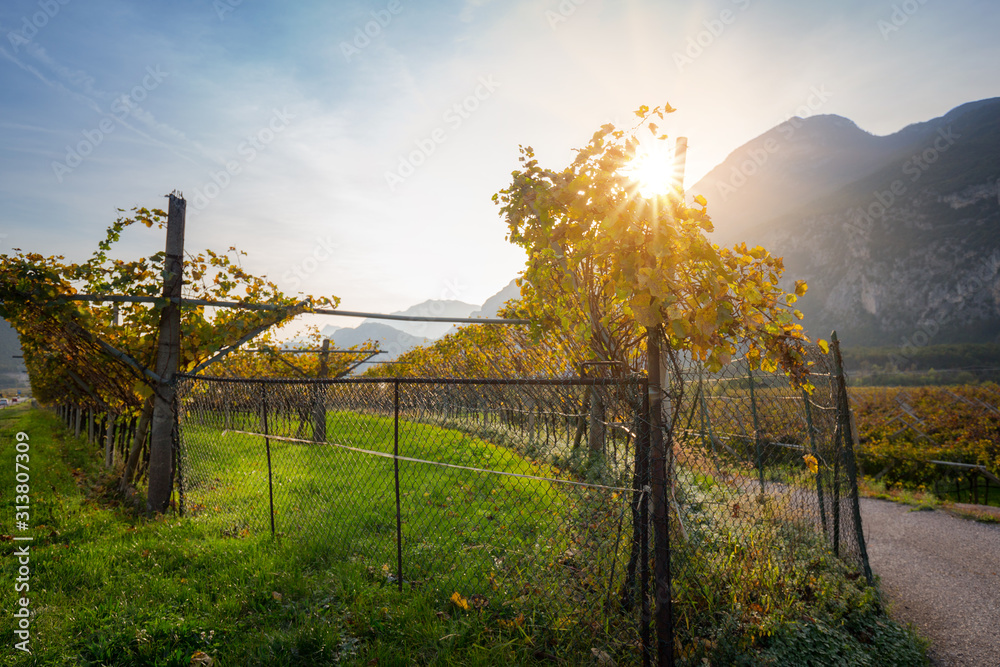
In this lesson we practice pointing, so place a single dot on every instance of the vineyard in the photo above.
(907, 435)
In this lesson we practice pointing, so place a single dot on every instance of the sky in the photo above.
(352, 148)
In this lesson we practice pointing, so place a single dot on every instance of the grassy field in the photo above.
(108, 588)
(545, 551)
(112, 589)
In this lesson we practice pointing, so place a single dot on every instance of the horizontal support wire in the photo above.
(550, 382)
(387, 455)
(100, 298)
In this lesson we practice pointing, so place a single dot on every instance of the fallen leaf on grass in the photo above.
(460, 601)
(603, 659)
(512, 623)
(201, 659)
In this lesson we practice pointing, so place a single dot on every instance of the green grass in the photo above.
(462, 530)
(922, 500)
(109, 588)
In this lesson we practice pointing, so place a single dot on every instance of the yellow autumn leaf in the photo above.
(823, 345)
(811, 463)
(459, 601)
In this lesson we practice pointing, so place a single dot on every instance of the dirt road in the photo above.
(942, 574)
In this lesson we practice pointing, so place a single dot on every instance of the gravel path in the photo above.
(942, 574)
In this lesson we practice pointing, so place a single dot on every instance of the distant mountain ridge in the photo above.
(898, 236)
(396, 337)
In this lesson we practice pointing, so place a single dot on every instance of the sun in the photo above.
(653, 169)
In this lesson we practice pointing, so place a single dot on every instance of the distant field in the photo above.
(900, 429)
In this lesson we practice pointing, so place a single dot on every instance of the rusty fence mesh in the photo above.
(534, 495)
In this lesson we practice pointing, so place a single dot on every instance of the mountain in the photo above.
(398, 336)
(491, 307)
(897, 236)
(430, 308)
(385, 337)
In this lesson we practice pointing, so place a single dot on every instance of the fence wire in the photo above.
(515, 494)
(534, 496)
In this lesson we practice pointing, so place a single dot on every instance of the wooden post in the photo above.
(109, 441)
(167, 362)
(319, 398)
(661, 525)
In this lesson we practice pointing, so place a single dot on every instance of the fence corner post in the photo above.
(167, 362)
(847, 440)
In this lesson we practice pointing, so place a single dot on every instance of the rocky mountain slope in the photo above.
(897, 236)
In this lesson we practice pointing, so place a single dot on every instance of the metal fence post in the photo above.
(395, 465)
(838, 448)
(756, 428)
(815, 453)
(267, 446)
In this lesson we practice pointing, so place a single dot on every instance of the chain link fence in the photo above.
(764, 485)
(513, 494)
(521, 494)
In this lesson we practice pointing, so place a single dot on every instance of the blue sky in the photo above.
(352, 148)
